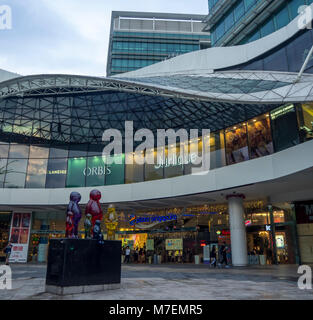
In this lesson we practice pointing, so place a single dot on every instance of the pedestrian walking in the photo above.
(7, 251)
(223, 254)
(213, 257)
(127, 255)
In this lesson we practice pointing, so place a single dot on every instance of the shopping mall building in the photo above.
(257, 195)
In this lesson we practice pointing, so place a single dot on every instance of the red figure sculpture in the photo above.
(69, 231)
(93, 207)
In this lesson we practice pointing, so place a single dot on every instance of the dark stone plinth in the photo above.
(83, 263)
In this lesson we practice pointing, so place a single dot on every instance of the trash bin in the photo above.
(155, 259)
(159, 259)
(150, 260)
(197, 259)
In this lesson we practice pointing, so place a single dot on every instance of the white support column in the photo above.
(237, 230)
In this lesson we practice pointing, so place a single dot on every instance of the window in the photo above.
(217, 146)
(76, 172)
(276, 61)
(239, 11)
(134, 172)
(95, 171)
(267, 28)
(282, 18)
(284, 127)
(56, 173)
(237, 144)
(260, 137)
(16, 173)
(305, 118)
(115, 171)
(36, 173)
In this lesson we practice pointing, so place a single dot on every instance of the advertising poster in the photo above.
(19, 236)
(174, 244)
(150, 244)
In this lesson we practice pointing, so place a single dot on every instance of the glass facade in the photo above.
(289, 56)
(131, 51)
(58, 166)
(241, 9)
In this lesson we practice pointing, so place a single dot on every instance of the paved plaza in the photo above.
(163, 282)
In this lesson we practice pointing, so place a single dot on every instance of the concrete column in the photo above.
(237, 230)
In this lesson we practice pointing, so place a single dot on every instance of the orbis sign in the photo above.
(97, 171)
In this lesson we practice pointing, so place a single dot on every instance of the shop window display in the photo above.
(305, 119)
(237, 144)
(260, 138)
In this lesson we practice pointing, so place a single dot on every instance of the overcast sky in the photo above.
(70, 36)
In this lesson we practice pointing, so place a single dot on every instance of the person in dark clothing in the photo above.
(223, 253)
(213, 256)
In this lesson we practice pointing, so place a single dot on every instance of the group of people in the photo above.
(221, 256)
(136, 256)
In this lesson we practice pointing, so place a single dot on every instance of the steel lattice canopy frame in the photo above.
(272, 87)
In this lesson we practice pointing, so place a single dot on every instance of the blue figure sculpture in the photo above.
(73, 207)
(97, 234)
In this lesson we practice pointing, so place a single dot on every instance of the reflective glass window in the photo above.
(4, 150)
(267, 28)
(305, 118)
(239, 11)
(95, 171)
(3, 164)
(192, 156)
(154, 171)
(56, 173)
(58, 152)
(76, 171)
(282, 18)
(260, 137)
(115, 170)
(134, 172)
(217, 146)
(284, 127)
(276, 61)
(38, 152)
(36, 173)
(237, 144)
(18, 151)
(297, 52)
(174, 161)
(15, 173)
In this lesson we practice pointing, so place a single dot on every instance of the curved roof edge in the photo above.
(208, 60)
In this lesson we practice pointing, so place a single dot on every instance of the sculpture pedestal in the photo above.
(79, 265)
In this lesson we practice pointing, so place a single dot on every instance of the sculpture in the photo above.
(69, 229)
(88, 226)
(93, 207)
(97, 234)
(111, 222)
(74, 215)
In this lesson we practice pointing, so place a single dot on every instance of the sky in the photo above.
(70, 36)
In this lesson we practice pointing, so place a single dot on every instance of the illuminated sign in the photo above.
(133, 220)
(281, 111)
(248, 222)
(96, 171)
(175, 160)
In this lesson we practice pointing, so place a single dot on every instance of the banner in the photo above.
(174, 244)
(19, 236)
(150, 244)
